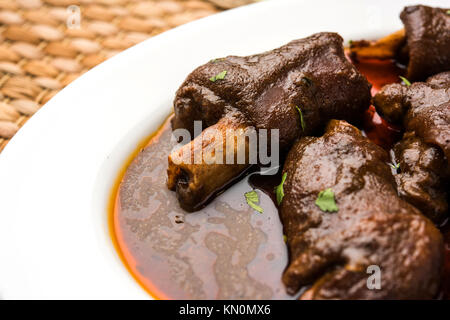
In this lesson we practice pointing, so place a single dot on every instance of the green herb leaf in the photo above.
(405, 81)
(325, 201)
(395, 166)
(279, 189)
(252, 199)
(219, 76)
(448, 11)
(284, 238)
(302, 122)
(350, 42)
(215, 60)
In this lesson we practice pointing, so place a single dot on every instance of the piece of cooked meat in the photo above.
(389, 102)
(423, 45)
(422, 107)
(427, 32)
(196, 181)
(421, 176)
(428, 113)
(373, 226)
(424, 110)
(263, 91)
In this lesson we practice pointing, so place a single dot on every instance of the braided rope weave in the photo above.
(46, 44)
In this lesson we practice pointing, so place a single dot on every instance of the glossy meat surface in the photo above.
(311, 73)
(390, 102)
(422, 107)
(427, 39)
(399, 104)
(373, 226)
(264, 91)
(424, 153)
(421, 176)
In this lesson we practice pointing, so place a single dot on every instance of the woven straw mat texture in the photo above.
(46, 44)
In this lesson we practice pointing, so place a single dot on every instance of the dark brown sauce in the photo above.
(226, 250)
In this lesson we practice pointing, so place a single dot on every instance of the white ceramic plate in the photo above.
(57, 173)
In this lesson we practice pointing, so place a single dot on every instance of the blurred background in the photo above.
(46, 44)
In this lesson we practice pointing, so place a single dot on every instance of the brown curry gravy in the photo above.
(226, 250)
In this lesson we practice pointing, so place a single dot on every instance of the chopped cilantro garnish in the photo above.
(252, 199)
(405, 81)
(395, 166)
(279, 189)
(302, 122)
(325, 201)
(219, 76)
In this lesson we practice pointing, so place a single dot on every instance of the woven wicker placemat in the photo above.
(46, 44)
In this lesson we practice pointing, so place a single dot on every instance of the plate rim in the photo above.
(26, 144)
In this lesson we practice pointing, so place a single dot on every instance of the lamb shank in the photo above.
(296, 89)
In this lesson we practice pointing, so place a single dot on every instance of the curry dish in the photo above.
(362, 134)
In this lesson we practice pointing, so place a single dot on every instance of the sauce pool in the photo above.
(224, 251)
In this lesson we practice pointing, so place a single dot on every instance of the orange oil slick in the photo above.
(113, 218)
